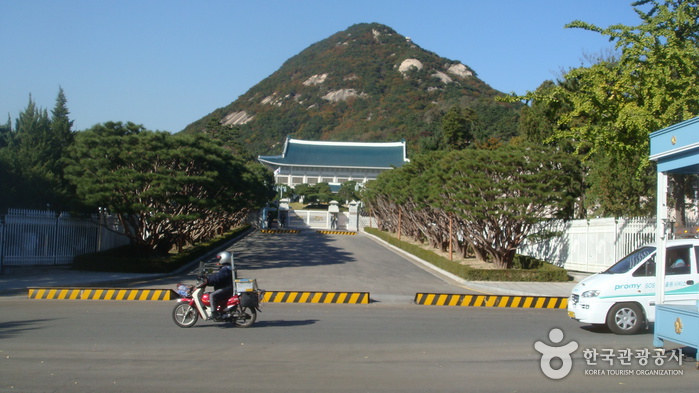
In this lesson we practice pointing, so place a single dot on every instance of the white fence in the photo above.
(316, 219)
(36, 237)
(590, 245)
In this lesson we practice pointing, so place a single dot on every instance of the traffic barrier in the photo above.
(279, 230)
(102, 294)
(316, 297)
(336, 232)
(442, 299)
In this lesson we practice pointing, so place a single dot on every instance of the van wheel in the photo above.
(625, 318)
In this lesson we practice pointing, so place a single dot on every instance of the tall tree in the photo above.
(166, 189)
(613, 105)
(502, 193)
(457, 127)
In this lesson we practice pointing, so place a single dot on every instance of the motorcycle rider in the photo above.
(222, 281)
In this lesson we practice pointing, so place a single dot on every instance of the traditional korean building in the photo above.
(312, 162)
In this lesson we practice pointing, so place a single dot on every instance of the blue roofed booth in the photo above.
(675, 149)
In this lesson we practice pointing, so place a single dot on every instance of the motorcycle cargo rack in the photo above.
(246, 285)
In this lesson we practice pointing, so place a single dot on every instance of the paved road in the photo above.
(98, 346)
(308, 261)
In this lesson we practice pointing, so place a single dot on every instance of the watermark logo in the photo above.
(606, 361)
(551, 352)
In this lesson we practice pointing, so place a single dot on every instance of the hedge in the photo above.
(127, 260)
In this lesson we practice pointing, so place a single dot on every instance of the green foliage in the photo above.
(491, 197)
(348, 192)
(605, 112)
(314, 193)
(30, 158)
(457, 127)
(166, 189)
(127, 259)
(525, 268)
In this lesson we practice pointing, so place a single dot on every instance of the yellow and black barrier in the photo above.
(442, 299)
(316, 297)
(279, 230)
(102, 294)
(336, 232)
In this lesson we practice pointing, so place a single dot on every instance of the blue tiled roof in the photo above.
(340, 154)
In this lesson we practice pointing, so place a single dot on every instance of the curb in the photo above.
(102, 294)
(316, 297)
(441, 299)
(336, 232)
(280, 230)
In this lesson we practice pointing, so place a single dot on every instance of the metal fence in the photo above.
(38, 237)
(590, 245)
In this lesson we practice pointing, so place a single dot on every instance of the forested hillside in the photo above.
(367, 83)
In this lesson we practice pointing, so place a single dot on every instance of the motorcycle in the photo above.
(240, 309)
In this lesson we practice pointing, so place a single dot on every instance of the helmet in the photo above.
(224, 258)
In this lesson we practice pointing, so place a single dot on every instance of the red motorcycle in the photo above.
(241, 308)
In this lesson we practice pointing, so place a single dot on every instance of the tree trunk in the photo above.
(504, 261)
(679, 191)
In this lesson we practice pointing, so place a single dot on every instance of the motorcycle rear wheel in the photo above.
(245, 317)
(185, 315)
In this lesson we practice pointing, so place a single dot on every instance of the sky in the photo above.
(165, 64)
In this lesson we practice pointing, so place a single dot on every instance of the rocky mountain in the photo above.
(367, 83)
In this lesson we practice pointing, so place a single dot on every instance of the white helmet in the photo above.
(224, 258)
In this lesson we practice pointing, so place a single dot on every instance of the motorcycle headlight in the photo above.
(591, 293)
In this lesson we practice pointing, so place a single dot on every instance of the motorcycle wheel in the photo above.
(184, 315)
(245, 317)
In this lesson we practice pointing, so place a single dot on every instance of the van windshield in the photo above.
(630, 261)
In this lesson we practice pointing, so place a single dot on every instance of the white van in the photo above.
(623, 296)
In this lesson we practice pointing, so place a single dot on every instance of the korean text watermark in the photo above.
(557, 360)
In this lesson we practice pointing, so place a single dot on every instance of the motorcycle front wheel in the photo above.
(184, 315)
(245, 316)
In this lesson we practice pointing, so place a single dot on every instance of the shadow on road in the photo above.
(288, 250)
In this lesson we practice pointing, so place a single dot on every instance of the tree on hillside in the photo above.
(165, 189)
(458, 126)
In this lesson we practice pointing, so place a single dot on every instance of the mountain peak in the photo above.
(366, 83)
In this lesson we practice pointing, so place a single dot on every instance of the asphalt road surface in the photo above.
(132, 346)
(387, 346)
(309, 261)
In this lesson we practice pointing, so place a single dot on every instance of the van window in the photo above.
(647, 269)
(677, 261)
(630, 261)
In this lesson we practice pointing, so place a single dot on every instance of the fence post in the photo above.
(2, 244)
(55, 238)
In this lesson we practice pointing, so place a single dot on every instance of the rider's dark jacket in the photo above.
(221, 279)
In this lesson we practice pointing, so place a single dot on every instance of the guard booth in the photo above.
(283, 213)
(676, 150)
(334, 212)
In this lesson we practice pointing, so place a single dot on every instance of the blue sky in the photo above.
(165, 64)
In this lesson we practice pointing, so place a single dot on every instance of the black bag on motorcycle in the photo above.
(249, 299)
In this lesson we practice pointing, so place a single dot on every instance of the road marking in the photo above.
(502, 301)
(101, 294)
(317, 297)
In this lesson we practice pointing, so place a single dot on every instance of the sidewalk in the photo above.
(16, 281)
